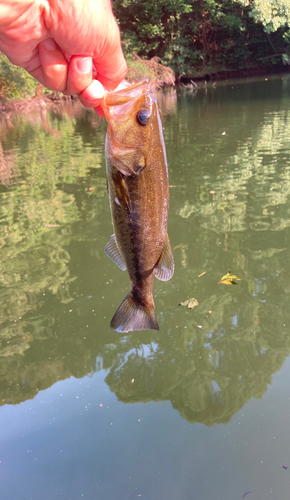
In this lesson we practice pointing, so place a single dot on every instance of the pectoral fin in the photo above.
(121, 190)
(165, 267)
(112, 251)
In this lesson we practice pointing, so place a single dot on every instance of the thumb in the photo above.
(111, 65)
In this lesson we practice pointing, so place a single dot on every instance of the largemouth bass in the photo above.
(138, 191)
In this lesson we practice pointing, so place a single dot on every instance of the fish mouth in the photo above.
(119, 111)
(122, 100)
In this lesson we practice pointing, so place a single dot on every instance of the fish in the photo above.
(138, 189)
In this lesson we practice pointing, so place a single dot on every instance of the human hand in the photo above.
(61, 42)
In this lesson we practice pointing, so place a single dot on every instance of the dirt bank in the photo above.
(35, 103)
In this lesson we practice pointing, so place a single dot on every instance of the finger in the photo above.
(33, 66)
(99, 111)
(92, 95)
(79, 74)
(107, 74)
(111, 65)
(54, 65)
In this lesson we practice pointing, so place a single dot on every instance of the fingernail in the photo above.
(49, 44)
(84, 65)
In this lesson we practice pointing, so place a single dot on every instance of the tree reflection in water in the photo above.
(207, 362)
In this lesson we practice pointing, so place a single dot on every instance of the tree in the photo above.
(273, 14)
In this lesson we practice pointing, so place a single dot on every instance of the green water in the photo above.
(199, 410)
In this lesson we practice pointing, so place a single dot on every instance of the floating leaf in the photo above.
(229, 279)
(190, 303)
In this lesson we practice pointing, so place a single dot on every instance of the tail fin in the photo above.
(132, 316)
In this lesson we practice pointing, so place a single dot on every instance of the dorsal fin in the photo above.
(112, 251)
(164, 269)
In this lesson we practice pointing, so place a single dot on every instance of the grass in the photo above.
(159, 74)
(15, 82)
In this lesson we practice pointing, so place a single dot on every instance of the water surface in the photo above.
(198, 410)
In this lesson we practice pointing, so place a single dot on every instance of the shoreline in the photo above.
(34, 103)
(228, 74)
(45, 101)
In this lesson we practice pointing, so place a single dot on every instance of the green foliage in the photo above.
(137, 70)
(148, 26)
(273, 14)
(154, 28)
(203, 35)
(15, 82)
(159, 74)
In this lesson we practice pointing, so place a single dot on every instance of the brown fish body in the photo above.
(139, 198)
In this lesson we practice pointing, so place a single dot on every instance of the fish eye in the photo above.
(143, 117)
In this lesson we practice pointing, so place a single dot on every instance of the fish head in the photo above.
(133, 119)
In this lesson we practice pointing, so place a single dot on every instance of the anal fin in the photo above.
(164, 269)
(112, 251)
